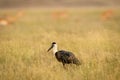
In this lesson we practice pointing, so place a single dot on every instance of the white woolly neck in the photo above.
(55, 49)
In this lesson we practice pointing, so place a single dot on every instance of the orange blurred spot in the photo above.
(60, 15)
(106, 15)
(9, 19)
(20, 14)
(3, 22)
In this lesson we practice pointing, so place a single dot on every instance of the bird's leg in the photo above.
(64, 65)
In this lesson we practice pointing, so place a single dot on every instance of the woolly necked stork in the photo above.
(63, 56)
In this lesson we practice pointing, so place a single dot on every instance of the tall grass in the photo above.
(24, 44)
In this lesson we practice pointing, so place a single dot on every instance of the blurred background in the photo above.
(88, 28)
(59, 3)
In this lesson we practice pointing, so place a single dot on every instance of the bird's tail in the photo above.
(76, 61)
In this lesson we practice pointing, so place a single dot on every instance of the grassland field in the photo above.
(96, 42)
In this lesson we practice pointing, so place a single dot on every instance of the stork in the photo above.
(63, 56)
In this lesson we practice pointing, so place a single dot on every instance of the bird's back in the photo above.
(66, 57)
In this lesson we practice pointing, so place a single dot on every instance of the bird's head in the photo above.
(52, 46)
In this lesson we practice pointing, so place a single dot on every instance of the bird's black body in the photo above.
(66, 57)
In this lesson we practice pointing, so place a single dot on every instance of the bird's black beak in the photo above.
(50, 48)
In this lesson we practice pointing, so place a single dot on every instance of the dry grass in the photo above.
(23, 46)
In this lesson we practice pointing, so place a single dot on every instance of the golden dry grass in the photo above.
(95, 42)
